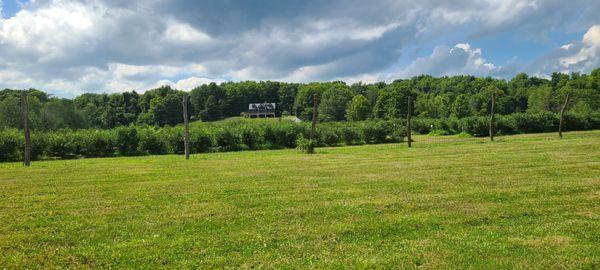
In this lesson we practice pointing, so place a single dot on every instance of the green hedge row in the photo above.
(241, 134)
(515, 123)
(204, 137)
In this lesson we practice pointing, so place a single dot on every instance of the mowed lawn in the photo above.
(525, 201)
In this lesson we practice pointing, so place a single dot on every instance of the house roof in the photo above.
(262, 106)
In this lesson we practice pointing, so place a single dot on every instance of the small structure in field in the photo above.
(261, 110)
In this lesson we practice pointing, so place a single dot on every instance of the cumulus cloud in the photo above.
(189, 83)
(445, 61)
(577, 56)
(584, 55)
(180, 32)
(71, 46)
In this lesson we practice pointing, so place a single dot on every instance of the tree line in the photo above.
(437, 98)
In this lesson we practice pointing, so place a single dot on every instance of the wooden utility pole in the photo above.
(314, 117)
(186, 127)
(492, 117)
(408, 128)
(562, 112)
(24, 115)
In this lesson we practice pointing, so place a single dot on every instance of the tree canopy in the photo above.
(456, 96)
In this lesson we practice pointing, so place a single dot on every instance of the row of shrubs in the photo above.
(515, 123)
(241, 134)
(204, 137)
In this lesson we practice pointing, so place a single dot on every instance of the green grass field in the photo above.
(526, 201)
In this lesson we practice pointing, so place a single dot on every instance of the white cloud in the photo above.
(330, 30)
(307, 73)
(364, 78)
(566, 47)
(187, 84)
(588, 54)
(180, 32)
(50, 32)
(71, 46)
(117, 78)
(577, 56)
(445, 61)
(487, 13)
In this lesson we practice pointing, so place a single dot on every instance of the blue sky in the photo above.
(10, 7)
(68, 47)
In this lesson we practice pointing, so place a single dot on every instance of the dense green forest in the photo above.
(457, 96)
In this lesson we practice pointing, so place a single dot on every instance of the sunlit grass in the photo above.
(526, 201)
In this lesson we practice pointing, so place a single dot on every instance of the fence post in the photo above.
(562, 112)
(314, 117)
(186, 127)
(408, 128)
(492, 117)
(25, 117)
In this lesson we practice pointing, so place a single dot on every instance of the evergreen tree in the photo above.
(211, 110)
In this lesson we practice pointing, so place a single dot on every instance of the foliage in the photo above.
(464, 135)
(211, 110)
(432, 106)
(201, 140)
(358, 109)
(456, 96)
(251, 137)
(332, 106)
(540, 99)
(304, 101)
(167, 108)
(438, 132)
(255, 134)
(350, 135)
(126, 140)
(151, 142)
(392, 102)
(228, 135)
(97, 143)
(305, 145)
(460, 106)
(10, 112)
(11, 141)
(229, 140)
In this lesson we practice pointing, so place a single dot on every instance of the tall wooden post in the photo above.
(186, 127)
(314, 117)
(408, 128)
(492, 117)
(25, 117)
(562, 112)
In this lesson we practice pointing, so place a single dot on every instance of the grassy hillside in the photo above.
(525, 201)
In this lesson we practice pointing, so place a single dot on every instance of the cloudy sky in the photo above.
(68, 47)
